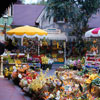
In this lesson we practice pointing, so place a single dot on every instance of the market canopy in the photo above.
(56, 36)
(26, 31)
(93, 33)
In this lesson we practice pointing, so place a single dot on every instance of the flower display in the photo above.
(91, 77)
(30, 59)
(94, 49)
(44, 60)
(65, 84)
(39, 82)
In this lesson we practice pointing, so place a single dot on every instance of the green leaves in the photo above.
(77, 12)
(96, 82)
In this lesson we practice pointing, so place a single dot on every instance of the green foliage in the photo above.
(77, 12)
(43, 2)
(84, 71)
(96, 82)
(78, 48)
(23, 1)
(66, 67)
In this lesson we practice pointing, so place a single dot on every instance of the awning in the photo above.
(56, 36)
(26, 31)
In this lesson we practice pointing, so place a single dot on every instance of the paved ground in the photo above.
(8, 91)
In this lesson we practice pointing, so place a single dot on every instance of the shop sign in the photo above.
(53, 30)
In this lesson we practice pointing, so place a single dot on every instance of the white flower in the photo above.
(76, 85)
(19, 75)
(50, 61)
(58, 83)
(62, 77)
(57, 98)
(51, 96)
(24, 65)
(70, 89)
(25, 83)
(58, 93)
(15, 70)
(14, 67)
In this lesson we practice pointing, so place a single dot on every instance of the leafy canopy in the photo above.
(77, 12)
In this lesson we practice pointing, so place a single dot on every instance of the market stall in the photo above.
(30, 38)
(65, 84)
(93, 56)
(28, 32)
(72, 81)
(54, 45)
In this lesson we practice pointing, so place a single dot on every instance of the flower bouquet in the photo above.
(26, 81)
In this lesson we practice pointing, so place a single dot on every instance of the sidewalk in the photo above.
(8, 91)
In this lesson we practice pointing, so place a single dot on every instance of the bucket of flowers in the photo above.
(18, 72)
(46, 87)
(27, 79)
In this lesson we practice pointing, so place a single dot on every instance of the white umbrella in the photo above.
(93, 33)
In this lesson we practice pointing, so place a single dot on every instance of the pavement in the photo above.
(9, 91)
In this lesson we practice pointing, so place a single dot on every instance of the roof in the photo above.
(94, 21)
(26, 14)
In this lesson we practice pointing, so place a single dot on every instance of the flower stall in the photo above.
(64, 84)
(30, 41)
(28, 32)
(71, 81)
(92, 56)
(54, 46)
(46, 62)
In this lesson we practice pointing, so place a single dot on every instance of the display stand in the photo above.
(92, 60)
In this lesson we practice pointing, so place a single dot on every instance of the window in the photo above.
(59, 20)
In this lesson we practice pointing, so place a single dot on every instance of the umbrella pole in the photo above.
(65, 52)
(21, 41)
(38, 47)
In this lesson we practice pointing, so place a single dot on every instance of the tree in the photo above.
(76, 12)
